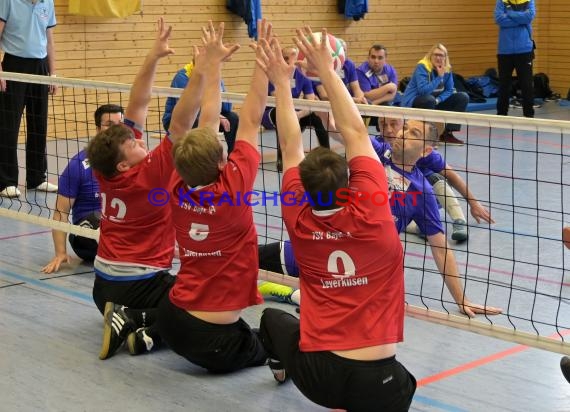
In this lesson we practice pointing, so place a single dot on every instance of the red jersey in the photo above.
(135, 232)
(217, 238)
(350, 265)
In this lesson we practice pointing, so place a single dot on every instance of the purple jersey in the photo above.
(299, 84)
(432, 163)
(369, 80)
(411, 195)
(347, 75)
(77, 182)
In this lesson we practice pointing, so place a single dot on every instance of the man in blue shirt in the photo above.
(79, 193)
(378, 79)
(26, 37)
(438, 173)
(515, 51)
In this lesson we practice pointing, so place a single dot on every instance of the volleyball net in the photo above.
(517, 168)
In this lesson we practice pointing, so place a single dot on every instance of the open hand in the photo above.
(318, 55)
(161, 47)
(264, 32)
(480, 213)
(213, 44)
(269, 58)
(472, 309)
(56, 262)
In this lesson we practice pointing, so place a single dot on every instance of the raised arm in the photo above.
(347, 117)
(477, 210)
(279, 72)
(445, 262)
(141, 89)
(205, 79)
(216, 54)
(256, 98)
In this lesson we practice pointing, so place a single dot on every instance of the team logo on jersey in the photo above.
(42, 12)
(86, 164)
(383, 79)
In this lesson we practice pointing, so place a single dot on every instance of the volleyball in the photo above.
(337, 52)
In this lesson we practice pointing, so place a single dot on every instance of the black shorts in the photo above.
(217, 348)
(84, 247)
(333, 381)
(135, 294)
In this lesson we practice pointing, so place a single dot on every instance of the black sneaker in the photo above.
(139, 342)
(565, 366)
(554, 97)
(515, 103)
(116, 329)
(278, 370)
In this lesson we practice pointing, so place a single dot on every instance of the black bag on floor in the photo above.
(542, 88)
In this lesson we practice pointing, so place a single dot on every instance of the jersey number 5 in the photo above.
(198, 231)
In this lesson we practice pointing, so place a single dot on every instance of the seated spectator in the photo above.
(228, 120)
(431, 87)
(349, 78)
(378, 80)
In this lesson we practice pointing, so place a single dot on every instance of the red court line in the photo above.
(25, 234)
(479, 362)
(498, 271)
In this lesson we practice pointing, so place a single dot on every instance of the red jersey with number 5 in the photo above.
(217, 238)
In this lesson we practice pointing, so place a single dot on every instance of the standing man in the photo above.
(515, 51)
(26, 37)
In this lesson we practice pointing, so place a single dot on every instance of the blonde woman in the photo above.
(431, 87)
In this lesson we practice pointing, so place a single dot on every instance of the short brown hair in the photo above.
(323, 173)
(378, 47)
(104, 150)
(197, 157)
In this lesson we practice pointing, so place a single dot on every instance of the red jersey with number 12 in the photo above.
(135, 232)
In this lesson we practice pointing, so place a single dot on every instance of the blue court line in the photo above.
(88, 298)
(46, 285)
(437, 404)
